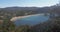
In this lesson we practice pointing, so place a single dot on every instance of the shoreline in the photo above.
(19, 17)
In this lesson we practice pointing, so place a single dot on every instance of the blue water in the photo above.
(32, 20)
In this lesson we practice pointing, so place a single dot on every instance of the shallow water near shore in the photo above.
(32, 20)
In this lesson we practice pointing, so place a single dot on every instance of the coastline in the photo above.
(19, 17)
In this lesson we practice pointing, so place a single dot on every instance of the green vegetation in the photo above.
(52, 25)
(9, 26)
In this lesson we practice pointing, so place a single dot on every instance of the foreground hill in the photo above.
(52, 25)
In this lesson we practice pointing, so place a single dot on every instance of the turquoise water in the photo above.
(32, 20)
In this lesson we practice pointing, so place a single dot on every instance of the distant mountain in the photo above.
(30, 10)
(36, 9)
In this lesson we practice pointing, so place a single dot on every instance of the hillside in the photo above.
(52, 25)
(35, 9)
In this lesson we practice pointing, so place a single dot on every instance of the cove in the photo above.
(32, 20)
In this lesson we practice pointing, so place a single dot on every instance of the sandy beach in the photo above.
(19, 17)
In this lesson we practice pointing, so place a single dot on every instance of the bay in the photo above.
(32, 20)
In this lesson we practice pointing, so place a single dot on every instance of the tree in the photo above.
(7, 26)
(24, 28)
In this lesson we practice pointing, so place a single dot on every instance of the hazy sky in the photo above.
(27, 3)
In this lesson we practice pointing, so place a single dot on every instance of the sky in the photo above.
(27, 3)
